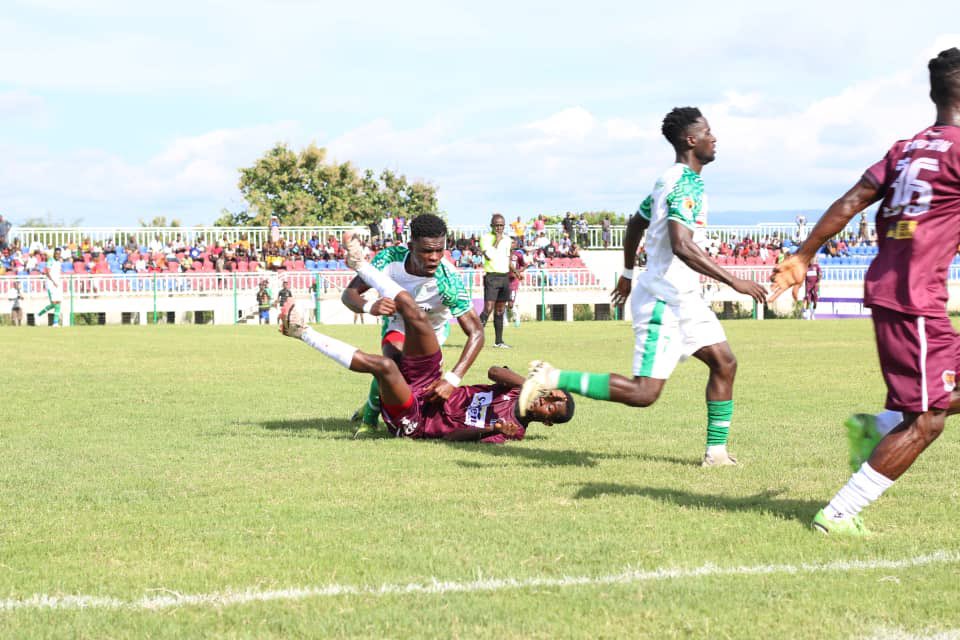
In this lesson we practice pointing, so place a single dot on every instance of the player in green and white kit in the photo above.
(671, 321)
(54, 285)
(437, 288)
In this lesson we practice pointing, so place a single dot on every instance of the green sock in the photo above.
(719, 415)
(56, 314)
(371, 410)
(592, 385)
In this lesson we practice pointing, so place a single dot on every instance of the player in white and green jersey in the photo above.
(54, 286)
(437, 288)
(671, 321)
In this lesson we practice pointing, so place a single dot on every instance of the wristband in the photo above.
(627, 273)
(452, 378)
(367, 306)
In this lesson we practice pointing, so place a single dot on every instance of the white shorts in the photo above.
(396, 324)
(666, 333)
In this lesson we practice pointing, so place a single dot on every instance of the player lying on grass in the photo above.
(918, 228)
(420, 269)
(487, 412)
(671, 321)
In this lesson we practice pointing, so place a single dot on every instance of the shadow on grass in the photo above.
(532, 455)
(685, 462)
(341, 425)
(764, 502)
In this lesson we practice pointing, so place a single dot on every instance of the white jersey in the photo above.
(54, 281)
(441, 295)
(677, 195)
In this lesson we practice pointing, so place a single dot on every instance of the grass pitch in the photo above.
(142, 463)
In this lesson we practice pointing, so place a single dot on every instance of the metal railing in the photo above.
(225, 283)
(258, 236)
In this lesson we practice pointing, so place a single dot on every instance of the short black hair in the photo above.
(675, 124)
(571, 405)
(427, 225)
(945, 76)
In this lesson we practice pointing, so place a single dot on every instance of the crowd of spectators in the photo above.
(543, 246)
(174, 256)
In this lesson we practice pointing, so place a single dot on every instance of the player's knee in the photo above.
(726, 366)
(643, 395)
(410, 310)
(929, 426)
(381, 366)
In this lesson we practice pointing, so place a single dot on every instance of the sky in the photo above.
(113, 111)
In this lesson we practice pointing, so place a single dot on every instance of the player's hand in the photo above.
(788, 274)
(621, 292)
(753, 289)
(438, 391)
(383, 307)
(508, 428)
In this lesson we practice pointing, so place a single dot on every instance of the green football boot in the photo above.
(847, 527)
(862, 437)
(366, 431)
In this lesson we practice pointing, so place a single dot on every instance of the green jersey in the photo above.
(441, 296)
(677, 195)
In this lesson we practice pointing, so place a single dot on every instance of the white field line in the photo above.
(438, 587)
(900, 634)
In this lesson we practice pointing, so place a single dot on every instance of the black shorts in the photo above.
(496, 287)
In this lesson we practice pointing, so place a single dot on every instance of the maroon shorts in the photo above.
(811, 295)
(408, 420)
(918, 358)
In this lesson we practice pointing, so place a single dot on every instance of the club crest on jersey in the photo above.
(408, 426)
(949, 380)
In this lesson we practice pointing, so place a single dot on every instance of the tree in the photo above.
(304, 189)
(159, 221)
(233, 219)
(592, 217)
(49, 222)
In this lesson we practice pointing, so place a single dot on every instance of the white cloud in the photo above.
(21, 105)
(193, 177)
(773, 154)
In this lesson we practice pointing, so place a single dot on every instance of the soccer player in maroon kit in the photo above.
(811, 289)
(518, 264)
(918, 229)
(486, 412)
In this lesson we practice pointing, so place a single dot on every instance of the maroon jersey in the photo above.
(478, 406)
(918, 223)
(812, 278)
(518, 262)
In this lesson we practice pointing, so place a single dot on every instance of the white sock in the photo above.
(380, 281)
(338, 351)
(887, 421)
(863, 488)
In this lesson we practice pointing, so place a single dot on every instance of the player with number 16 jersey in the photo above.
(918, 228)
(918, 224)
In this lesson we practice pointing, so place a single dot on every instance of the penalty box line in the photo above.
(171, 599)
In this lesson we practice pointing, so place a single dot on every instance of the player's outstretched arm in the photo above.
(790, 272)
(505, 376)
(635, 230)
(684, 247)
